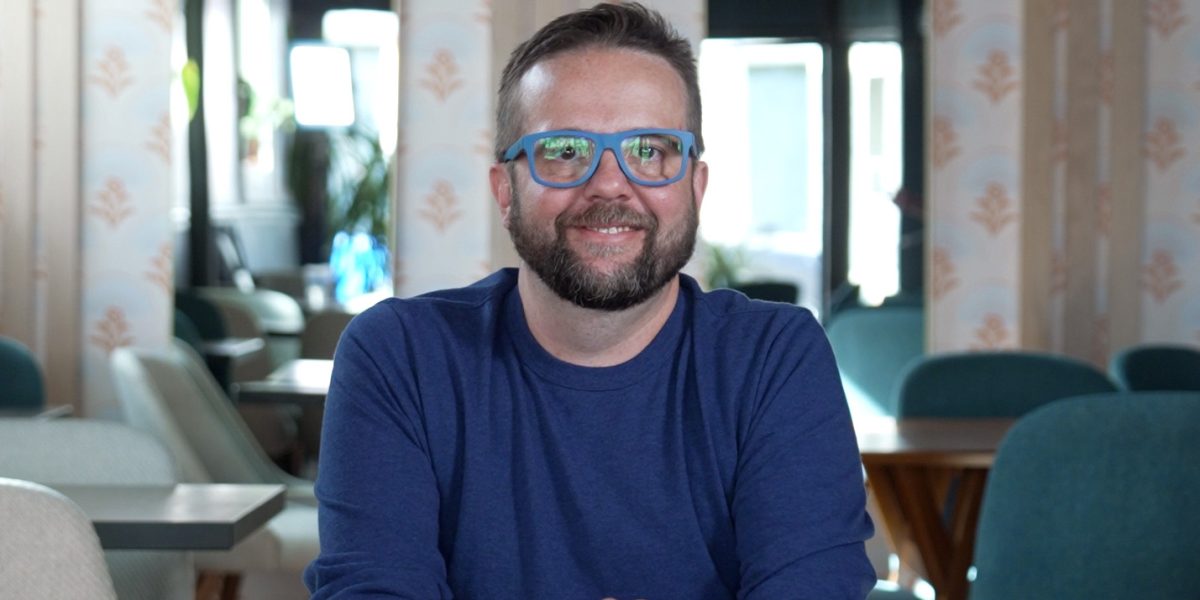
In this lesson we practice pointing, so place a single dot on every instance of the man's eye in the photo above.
(556, 149)
(645, 150)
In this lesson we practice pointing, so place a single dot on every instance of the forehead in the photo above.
(603, 89)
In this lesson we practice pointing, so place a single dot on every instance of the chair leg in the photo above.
(229, 591)
(208, 585)
(216, 585)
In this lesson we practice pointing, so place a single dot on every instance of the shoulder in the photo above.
(467, 309)
(733, 314)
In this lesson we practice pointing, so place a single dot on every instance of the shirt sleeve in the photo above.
(799, 500)
(376, 490)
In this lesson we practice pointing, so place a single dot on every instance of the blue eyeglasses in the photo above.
(566, 158)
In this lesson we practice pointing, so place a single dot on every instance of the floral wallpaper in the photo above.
(123, 188)
(125, 184)
(975, 179)
(444, 147)
(1171, 254)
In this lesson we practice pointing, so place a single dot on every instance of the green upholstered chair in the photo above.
(1147, 367)
(186, 330)
(873, 346)
(993, 384)
(1094, 497)
(203, 313)
(773, 291)
(21, 383)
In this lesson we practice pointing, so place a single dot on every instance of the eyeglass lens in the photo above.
(650, 157)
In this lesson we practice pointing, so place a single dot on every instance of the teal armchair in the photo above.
(21, 383)
(1149, 367)
(1094, 497)
(993, 384)
(873, 346)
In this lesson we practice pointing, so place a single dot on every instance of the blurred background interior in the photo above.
(224, 183)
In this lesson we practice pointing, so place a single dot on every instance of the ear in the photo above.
(699, 182)
(501, 183)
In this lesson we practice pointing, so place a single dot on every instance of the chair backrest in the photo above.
(275, 310)
(1094, 497)
(49, 549)
(1156, 367)
(170, 394)
(272, 315)
(186, 330)
(874, 345)
(21, 384)
(993, 384)
(774, 291)
(322, 332)
(203, 313)
(84, 451)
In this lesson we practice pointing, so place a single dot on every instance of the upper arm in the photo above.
(799, 499)
(377, 494)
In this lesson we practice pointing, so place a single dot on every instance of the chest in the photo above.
(567, 493)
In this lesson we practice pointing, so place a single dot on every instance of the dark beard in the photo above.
(660, 260)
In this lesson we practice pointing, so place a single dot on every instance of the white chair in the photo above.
(274, 426)
(275, 313)
(49, 549)
(171, 395)
(82, 451)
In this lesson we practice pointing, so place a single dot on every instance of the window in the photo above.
(764, 137)
(876, 168)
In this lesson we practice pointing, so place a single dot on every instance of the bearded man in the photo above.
(592, 424)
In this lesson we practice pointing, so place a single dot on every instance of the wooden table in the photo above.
(912, 471)
(213, 516)
(301, 381)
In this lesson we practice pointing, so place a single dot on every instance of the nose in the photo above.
(609, 180)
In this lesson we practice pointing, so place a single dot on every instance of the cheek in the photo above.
(543, 204)
(673, 209)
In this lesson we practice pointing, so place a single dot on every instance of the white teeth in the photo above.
(611, 230)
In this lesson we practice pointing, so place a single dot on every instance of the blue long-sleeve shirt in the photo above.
(460, 459)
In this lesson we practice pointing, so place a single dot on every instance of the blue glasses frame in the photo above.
(603, 142)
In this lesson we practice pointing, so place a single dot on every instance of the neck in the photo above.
(589, 337)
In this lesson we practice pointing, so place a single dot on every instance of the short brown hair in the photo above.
(629, 25)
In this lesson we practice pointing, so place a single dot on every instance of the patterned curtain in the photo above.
(86, 251)
(1063, 204)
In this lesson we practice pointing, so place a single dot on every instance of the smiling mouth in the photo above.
(612, 230)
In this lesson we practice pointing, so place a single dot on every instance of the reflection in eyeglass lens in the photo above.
(654, 156)
(650, 157)
(564, 148)
(562, 158)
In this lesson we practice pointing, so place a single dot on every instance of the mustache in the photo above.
(606, 214)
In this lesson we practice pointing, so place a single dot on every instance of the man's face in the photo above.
(608, 243)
